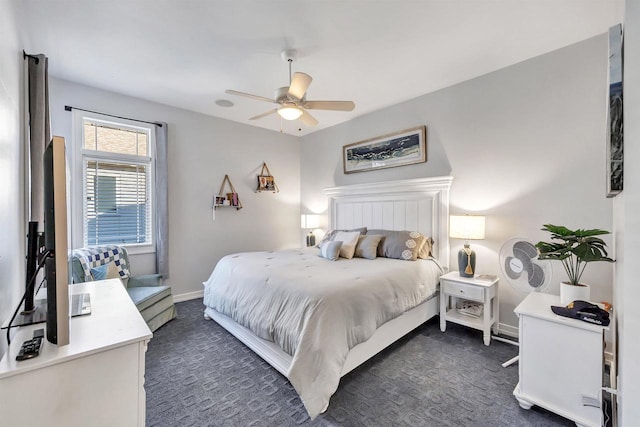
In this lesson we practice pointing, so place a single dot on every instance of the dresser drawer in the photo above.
(462, 290)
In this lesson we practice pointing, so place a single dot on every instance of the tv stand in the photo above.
(39, 312)
(97, 379)
(37, 315)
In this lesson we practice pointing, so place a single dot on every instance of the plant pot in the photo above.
(570, 293)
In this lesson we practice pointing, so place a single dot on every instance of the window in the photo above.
(117, 181)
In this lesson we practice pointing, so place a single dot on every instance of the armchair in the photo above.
(151, 297)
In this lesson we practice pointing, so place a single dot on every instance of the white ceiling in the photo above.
(376, 53)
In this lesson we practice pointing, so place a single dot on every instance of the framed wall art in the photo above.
(387, 151)
(615, 142)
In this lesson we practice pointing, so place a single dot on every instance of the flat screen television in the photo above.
(49, 249)
(55, 242)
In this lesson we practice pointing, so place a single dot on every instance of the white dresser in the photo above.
(561, 362)
(96, 380)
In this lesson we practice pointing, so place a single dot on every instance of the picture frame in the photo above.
(266, 183)
(615, 140)
(401, 148)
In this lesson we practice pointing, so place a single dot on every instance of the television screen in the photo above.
(55, 233)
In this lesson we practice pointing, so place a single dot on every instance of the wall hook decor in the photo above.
(266, 182)
(229, 199)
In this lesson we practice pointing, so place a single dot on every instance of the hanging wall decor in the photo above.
(229, 199)
(266, 182)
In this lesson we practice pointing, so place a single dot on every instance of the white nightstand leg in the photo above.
(486, 323)
(496, 315)
(443, 311)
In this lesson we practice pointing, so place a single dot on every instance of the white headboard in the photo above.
(412, 204)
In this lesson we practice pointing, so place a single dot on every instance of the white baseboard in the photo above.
(508, 330)
(188, 296)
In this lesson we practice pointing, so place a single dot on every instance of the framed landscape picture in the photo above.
(397, 149)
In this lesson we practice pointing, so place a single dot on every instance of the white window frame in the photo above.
(78, 187)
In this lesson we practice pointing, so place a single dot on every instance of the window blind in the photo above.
(117, 205)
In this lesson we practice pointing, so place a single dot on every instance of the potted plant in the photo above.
(575, 248)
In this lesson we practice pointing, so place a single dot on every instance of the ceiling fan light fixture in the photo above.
(289, 112)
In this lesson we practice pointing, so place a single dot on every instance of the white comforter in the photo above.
(316, 310)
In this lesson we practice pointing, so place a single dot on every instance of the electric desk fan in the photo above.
(524, 271)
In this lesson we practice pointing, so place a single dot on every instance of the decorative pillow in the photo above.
(426, 249)
(330, 250)
(100, 273)
(399, 244)
(105, 271)
(367, 246)
(349, 241)
(332, 233)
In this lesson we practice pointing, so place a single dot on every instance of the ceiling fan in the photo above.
(291, 100)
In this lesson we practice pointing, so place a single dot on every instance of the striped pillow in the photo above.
(330, 250)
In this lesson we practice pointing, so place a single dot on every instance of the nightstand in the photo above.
(454, 288)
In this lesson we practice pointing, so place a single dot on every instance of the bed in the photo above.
(285, 305)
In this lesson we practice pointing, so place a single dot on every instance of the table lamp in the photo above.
(310, 222)
(467, 227)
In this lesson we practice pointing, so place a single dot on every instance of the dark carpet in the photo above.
(199, 375)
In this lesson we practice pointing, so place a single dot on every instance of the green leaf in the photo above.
(555, 229)
(587, 233)
(576, 247)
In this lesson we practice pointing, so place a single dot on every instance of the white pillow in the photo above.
(349, 241)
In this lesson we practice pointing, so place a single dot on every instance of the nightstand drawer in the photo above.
(461, 290)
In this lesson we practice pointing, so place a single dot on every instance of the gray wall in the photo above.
(627, 224)
(202, 149)
(12, 222)
(524, 144)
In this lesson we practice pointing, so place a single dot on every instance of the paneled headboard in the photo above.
(420, 204)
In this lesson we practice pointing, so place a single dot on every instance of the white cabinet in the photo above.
(95, 380)
(561, 362)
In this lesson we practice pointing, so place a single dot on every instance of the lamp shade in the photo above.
(468, 227)
(310, 221)
(290, 112)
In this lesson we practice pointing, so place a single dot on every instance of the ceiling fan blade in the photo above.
(248, 95)
(259, 116)
(308, 119)
(299, 84)
(330, 105)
